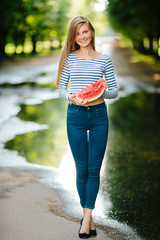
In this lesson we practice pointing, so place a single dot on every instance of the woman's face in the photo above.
(83, 35)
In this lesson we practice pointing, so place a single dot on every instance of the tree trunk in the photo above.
(150, 44)
(34, 44)
(158, 51)
(141, 46)
(2, 48)
(158, 48)
(138, 45)
(135, 44)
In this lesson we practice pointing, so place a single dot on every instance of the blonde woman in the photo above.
(87, 123)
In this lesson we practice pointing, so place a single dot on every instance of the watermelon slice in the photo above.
(92, 92)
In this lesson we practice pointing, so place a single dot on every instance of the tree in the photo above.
(136, 19)
(37, 20)
(60, 19)
(11, 16)
(44, 17)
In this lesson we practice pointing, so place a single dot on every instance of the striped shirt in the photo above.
(82, 72)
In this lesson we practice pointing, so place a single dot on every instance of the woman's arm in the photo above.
(63, 92)
(112, 91)
(109, 94)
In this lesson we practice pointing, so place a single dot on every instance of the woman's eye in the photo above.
(85, 31)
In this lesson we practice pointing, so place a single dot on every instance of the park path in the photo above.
(29, 208)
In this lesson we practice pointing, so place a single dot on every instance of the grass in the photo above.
(149, 59)
(139, 57)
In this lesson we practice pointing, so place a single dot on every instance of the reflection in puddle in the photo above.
(133, 161)
(45, 147)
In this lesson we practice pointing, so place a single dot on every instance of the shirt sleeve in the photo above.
(112, 91)
(63, 93)
(64, 82)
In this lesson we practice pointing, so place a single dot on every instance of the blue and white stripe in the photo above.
(82, 72)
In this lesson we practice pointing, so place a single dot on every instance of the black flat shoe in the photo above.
(84, 235)
(93, 232)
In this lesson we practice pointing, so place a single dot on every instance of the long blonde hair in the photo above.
(71, 45)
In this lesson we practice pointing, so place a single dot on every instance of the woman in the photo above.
(87, 123)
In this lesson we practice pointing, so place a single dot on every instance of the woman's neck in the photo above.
(87, 52)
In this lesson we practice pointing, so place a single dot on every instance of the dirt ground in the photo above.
(125, 64)
(28, 209)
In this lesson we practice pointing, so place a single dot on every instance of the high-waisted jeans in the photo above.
(87, 129)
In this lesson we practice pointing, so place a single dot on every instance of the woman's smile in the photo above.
(83, 36)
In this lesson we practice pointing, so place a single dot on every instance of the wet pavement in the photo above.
(33, 135)
(132, 171)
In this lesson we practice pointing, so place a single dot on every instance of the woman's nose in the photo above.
(81, 36)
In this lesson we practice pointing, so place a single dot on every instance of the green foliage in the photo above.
(123, 17)
(135, 19)
(11, 18)
(61, 18)
(37, 20)
(28, 25)
(46, 19)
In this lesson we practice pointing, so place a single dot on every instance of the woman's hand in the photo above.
(77, 101)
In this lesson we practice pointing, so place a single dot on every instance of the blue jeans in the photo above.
(87, 129)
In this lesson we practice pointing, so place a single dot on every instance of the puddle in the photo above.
(131, 176)
(45, 147)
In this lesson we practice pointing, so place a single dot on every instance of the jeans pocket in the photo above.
(72, 109)
(102, 110)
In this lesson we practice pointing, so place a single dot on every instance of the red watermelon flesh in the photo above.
(92, 92)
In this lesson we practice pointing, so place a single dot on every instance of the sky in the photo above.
(100, 5)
